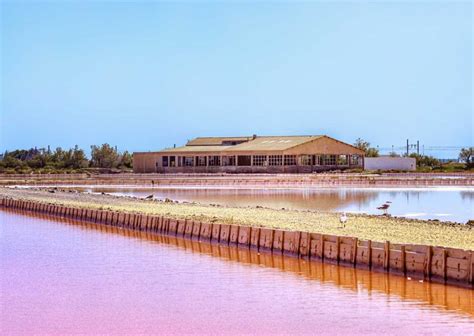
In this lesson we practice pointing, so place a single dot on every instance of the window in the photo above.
(214, 160)
(228, 160)
(172, 161)
(355, 160)
(243, 160)
(188, 161)
(259, 160)
(305, 160)
(317, 161)
(329, 160)
(342, 160)
(200, 161)
(165, 162)
(275, 160)
(290, 160)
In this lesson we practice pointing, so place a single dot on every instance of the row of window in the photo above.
(259, 160)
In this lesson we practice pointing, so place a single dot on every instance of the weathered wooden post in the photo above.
(429, 254)
(386, 259)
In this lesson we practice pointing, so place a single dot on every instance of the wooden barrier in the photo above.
(304, 245)
(254, 238)
(166, 225)
(205, 233)
(291, 243)
(181, 228)
(188, 228)
(224, 234)
(196, 230)
(458, 266)
(234, 235)
(439, 264)
(244, 237)
(159, 224)
(316, 246)
(377, 260)
(331, 248)
(416, 260)
(266, 240)
(397, 260)
(347, 250)
(277, 241)
(173, 227)
(216, 232)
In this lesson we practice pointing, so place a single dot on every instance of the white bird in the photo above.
(343, 219)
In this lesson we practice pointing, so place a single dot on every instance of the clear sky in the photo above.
(145, 76)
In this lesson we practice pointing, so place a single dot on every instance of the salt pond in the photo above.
(66, 277)
(443, 203)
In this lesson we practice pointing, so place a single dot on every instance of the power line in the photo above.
(425, 147)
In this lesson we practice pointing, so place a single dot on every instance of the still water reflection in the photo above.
(70, 277)
(447, 203)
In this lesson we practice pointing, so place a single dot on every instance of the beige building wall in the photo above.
(324, 145)
(150, 162)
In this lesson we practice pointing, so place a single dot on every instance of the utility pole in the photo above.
(418, 147)
(407, 147)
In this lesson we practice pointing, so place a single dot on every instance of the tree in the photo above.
(365, 146)
(78, 158)
(467, 155)
(425, 160)
(126, 160)
(104, 156)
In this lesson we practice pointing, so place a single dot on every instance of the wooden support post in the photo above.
(322, 246)
(354, 252)
(444, 257)
(369, 249)
(386, 259)
(471, 268)
(403, 259)
(429, 256)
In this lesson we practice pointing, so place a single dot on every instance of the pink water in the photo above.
(63, 277)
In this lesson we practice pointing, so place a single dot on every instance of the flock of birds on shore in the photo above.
(342, 219)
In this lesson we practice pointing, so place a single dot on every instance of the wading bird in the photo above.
(343, 219)
(384, 207)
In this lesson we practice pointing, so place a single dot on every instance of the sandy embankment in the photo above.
(376, 228)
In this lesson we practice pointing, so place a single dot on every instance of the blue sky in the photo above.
(145, 76)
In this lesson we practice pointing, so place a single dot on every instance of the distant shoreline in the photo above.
(247, 180)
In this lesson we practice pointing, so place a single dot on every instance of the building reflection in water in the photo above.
(422, 203)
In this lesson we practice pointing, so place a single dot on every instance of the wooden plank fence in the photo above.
(434, 263)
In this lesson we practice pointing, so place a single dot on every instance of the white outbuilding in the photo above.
(389, 163)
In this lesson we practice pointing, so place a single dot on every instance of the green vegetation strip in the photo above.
(376, 228)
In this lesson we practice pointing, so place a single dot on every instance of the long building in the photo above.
(254, 154)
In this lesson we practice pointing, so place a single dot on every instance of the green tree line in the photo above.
(73, 159)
